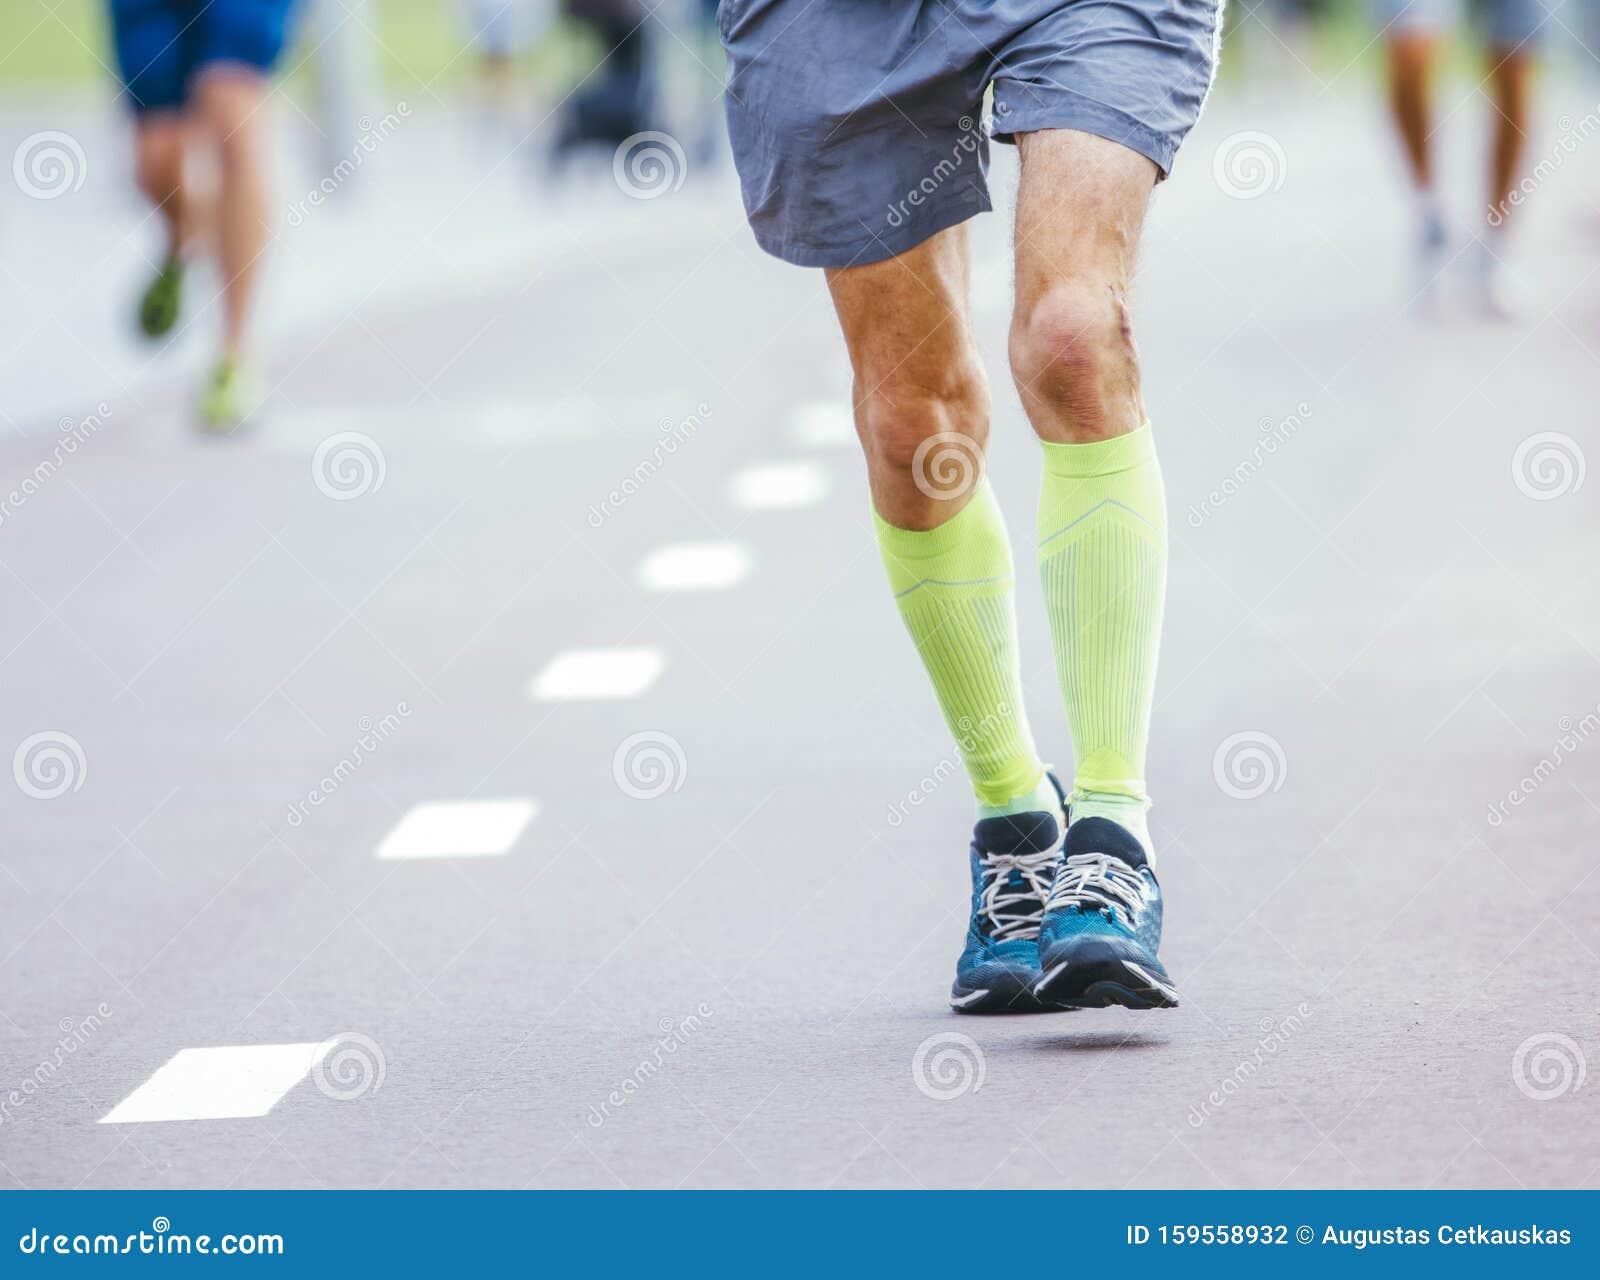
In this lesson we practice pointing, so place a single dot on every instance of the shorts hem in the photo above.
(181, 101)
(140, 108)
(1069, 110)
(876, 248)
(226, 64)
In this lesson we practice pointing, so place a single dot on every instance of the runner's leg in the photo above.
(159, 138)
(228, 103)
(1512, 78)
(1411, 58)
(158, 169)
(1102, 541)
(1412, 52)
(1515, 29)
(1102, 550)
(922, 412)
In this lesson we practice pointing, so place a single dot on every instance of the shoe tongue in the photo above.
(1016, 833)
(1102, 835)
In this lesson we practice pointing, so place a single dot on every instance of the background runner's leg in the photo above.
(158, 142)
(229, 103)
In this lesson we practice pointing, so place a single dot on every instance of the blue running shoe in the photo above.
(1013, 861)
(1102, 925)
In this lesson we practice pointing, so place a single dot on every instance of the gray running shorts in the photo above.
(857, 125)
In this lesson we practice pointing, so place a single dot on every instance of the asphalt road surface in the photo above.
(578, 557)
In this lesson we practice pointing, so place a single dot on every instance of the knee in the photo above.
(1072, 334)
(158, 166)
(154, 178)
(899, 414)
(230, 104)
(1073, 356)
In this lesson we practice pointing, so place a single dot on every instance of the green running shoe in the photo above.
(230, 397)
(158, 309)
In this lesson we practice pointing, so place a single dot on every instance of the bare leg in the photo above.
(1512, 77)
(917, 370)
(1079, 213)
(158, 168)
(229, 102)
(1411, 58)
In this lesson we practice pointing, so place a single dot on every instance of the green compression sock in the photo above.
(1103, 560)
(955, 590)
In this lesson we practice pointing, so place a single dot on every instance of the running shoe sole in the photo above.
(1106, 980)
(1004, 992)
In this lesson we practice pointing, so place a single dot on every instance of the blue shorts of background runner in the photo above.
(1508, 23)
(161, 44)
(857, 124)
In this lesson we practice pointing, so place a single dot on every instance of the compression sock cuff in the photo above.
(961, 550)
(1100, 457)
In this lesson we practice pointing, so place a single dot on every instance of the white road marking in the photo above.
(695, 566)
(458, 829)
(822, 424)
(779, 486)
(223, 1083)
(582, 674)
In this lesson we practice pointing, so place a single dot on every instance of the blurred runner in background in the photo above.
(708, 130)
(1275, 41)
(195, 73)
(1414, 30)
(619, 98)
(342, 44)
(503, 31)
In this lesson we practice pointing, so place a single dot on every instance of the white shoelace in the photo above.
(1099, 882)
(1015, 912)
